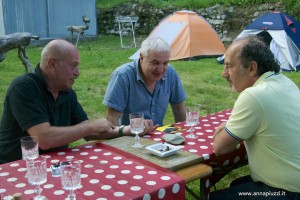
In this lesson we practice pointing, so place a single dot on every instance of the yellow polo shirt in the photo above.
(267, 117)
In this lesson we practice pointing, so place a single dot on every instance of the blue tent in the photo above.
(282, 33)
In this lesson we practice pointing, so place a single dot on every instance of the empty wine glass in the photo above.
(137, 127)
(30, 148)
(70, 176)
(192, 119)
(37, 175)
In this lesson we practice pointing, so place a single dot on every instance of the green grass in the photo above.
(201, 79)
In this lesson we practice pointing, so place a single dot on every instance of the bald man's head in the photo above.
(58, 49)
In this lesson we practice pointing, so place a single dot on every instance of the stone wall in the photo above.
(227, 21)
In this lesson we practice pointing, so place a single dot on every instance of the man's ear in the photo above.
(141, 56)
(253, 68)
(51, 63)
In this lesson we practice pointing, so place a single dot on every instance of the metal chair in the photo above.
(123, 28)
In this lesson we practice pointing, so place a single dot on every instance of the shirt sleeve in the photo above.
(245, 117)
(116, 95)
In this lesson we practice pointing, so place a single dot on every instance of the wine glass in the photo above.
(70, 176)
(137, 127)
(30, 148)
(37, 175)
(192, 119)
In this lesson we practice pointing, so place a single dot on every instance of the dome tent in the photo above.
(282, 33)
(189, 35)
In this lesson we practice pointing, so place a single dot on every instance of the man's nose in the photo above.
(160, 67)
(76, 72)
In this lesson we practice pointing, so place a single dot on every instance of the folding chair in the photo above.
(124, 27)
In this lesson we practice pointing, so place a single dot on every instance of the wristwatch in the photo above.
(121, 130)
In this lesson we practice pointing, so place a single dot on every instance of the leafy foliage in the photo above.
(292, 5)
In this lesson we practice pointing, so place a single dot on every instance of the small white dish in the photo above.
(162, 149)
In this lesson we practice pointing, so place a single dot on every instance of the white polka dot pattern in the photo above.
(106, 173)
(203, 145)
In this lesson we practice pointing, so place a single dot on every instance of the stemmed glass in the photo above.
(30, 149)
(192, 119)
(70, 176)
(137, 127)
(37, 175)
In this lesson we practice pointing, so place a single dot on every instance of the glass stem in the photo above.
(38, 190)
(137, 138)
(193, 129)
(72, 195)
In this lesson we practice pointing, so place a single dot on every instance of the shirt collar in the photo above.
(137, 65)
(38, 71)
(263, 77)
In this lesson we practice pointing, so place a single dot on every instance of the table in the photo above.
(110, 159)
(203, 146)
(184, 163)
(107, 173)
(179, 160)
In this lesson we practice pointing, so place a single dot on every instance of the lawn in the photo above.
(201, 79)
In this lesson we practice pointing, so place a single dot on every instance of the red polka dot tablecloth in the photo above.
(106, 173)
(203, 145)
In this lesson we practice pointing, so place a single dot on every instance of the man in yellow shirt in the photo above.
(265, 117)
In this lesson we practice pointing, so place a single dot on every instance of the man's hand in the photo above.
(102, 125)
(148, 123)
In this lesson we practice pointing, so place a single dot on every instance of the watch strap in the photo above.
(121, 133)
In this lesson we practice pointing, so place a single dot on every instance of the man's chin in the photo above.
(233, 89)
(69, 86)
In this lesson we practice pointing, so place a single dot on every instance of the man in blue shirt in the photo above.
(145, 85)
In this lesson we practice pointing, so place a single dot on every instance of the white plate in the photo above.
(157, 149)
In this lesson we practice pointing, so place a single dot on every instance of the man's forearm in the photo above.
(223, 142)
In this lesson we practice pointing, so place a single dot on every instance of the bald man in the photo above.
(43, 104)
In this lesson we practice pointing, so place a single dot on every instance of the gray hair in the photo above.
(154, 44)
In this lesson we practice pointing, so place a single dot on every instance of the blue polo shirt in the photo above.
(128, 93)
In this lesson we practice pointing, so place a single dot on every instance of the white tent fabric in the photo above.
(168, 31)
(276, 49)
